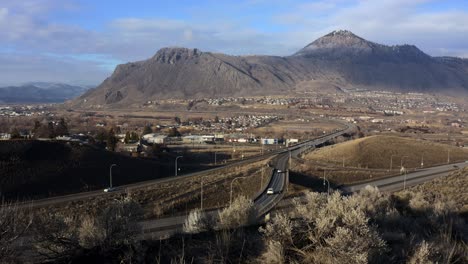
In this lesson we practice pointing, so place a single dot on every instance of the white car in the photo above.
(279, 171)
(110, 189)
(270, 191)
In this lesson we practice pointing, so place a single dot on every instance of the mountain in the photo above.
(337, 61)
(40, 92)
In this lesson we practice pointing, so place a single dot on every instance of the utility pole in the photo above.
(201, 193)
(110, 174)
(176, 164)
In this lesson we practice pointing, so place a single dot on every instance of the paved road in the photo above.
(160, 228)
(396, 183)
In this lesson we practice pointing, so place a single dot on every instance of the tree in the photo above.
(134, 137)
(62, 128)
(101, 136)
(127, 138)
(173, 132)
(111, 140)
(15, 134)
(37, 126)
(177, 120)
(156, 149)
(147, 130)
(50, 130)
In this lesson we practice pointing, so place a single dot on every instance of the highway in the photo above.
(396, 183)
(264, 203)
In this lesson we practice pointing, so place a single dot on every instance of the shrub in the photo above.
(14, 222)
(421, 255)
(194, 223)
(332, 229)
(239, 213)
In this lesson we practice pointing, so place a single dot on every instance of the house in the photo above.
(268, 141)
(5, 136)
(193, 139)
(156, 138)
(291, 141)
(130, 147)
(208, 138)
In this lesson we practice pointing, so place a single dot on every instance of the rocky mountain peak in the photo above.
(172, 55)
(339, 39)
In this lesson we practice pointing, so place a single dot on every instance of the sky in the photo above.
(81, 41)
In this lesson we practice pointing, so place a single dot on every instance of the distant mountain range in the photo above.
(335, 62)
(40, 92)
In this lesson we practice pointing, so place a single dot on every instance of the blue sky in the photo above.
(81, 41)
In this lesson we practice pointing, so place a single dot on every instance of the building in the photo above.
(155, 139)
(290, 141)
(193, 139)
(130, 147)
(268, 141)
(5, 136)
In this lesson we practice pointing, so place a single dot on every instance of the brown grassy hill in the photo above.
(36, 169)
(375, 152)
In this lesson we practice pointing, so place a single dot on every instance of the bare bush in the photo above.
(14, 222)
(421, 255)
(60, 237)
(325, 229)
(56, 236)
(194, 223)
(117, 225)
(89, 233)
(279, 229)
(274, 253)
(239, 213)
(373, 202)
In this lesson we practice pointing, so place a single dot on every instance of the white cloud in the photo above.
(25, 26)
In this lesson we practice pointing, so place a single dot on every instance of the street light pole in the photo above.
(176, 164)
(230, 196)
(391, 162)
(401, 161)
(110, 174)
(448, 156)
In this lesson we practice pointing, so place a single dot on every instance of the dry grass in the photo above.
(451, 190)
(302, 129)
(183, 195)
(374, 152)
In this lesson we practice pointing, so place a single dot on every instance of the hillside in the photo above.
(339, 60)
(40, 93)
(375, 152)
(37, 169)
(450, 189)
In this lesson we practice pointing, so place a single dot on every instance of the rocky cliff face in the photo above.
(339, 59)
